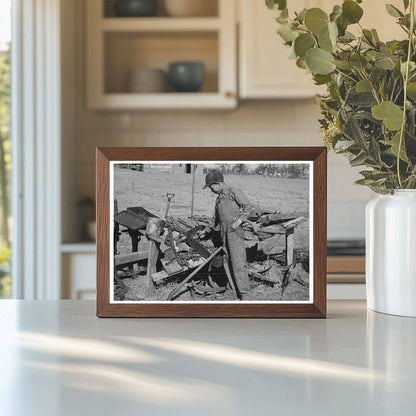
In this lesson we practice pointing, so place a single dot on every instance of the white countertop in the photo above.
(56, 358)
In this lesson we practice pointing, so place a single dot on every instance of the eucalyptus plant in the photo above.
(369, 112)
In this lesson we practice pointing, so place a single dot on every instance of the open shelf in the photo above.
(116, 46)
(108, 9)
(127, 51)
(160, 24)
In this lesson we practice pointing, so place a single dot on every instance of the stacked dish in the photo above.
(147, 80)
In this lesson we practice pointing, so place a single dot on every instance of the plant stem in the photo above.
(406, 80)
(345, 75)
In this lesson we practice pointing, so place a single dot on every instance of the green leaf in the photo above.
(394, 144)
(368, 36)
(361, 99)
(333, 32)
(363, 86)
(364, 181)
(385, 63)
(319, 61)
(276, 4)
(286, 32)
(347, 37)
(351, 11)
(336, 12)
(391, 114)
(374, 175)
(303, 43)
(358, 160)
(300, 17)
(327, 40)
(375, 35)
(393, 11)
(343, 145)
(325, 43)
(284, 14)
(411, 90)
(358, 61)
(342, 25)
(321, 79)
(316, 20)
(374, 150)
(301, 63)
(412, 67)
(343, 65)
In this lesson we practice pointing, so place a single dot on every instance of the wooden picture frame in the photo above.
(314, 307)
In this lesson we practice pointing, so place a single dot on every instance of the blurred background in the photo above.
(99, 73)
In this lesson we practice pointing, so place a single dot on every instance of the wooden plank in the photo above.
(282, 216)
(159, 277)
(293, 223)
(290, 245)
(127, 259)
(153, 229)
(151, 267)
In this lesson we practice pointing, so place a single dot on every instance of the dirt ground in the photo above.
(134, 188)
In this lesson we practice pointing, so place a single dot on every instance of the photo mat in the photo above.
(277, 234)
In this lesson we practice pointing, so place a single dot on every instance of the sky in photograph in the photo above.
(5, 23)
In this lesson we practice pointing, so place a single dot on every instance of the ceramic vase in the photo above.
(391, 253)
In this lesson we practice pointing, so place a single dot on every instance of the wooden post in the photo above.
(290, 244)
(116, 236)
(134, 235)
(153, 229)
(193, 190)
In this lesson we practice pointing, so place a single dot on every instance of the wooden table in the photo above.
(57, 358)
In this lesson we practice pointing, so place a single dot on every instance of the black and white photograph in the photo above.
(211, 232)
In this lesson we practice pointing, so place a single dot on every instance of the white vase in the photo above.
(391, 253)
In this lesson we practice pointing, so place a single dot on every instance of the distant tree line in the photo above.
(281, 170)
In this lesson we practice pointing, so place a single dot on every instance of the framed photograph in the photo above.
(211, 232)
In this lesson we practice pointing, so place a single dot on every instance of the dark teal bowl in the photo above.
(186, 76)
(136, 8)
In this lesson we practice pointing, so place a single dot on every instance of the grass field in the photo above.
(134, 188)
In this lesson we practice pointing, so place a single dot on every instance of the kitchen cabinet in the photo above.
(78, 271)
(118, 45)
(265, 70)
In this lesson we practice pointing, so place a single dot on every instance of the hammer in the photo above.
(169, 197)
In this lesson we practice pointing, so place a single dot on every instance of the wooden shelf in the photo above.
(116, 46)
(163, 101)
(159, 24)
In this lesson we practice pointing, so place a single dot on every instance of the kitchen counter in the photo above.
(57, 358)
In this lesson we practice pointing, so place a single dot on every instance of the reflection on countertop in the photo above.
(63, 360)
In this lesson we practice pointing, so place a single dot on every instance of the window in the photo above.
(5, 145)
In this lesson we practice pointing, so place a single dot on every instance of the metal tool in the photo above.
(169, 196)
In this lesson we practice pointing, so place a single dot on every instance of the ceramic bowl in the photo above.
(186, 76)
(136, 8)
